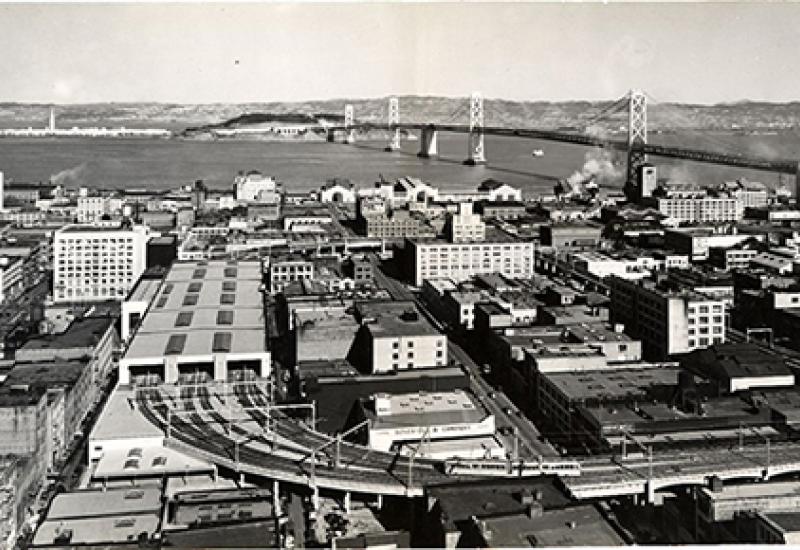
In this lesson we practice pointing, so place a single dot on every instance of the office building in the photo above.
(282, 271)
(97, 263)
(666, 320)
(499, 253)
(465, 226)
(701, 209)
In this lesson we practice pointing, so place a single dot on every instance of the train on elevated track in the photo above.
(511, 468)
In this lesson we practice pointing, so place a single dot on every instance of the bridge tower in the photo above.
(394, 120)
(475, 153)
(637, 136)
(428, 142)
(349, 119)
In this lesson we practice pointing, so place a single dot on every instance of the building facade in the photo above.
(461, 261)
(97, 264)
(666, 321)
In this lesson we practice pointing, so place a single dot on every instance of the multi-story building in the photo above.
(399, 224)
(206, 321)
(394, 336)
(92, 209)
(465, 226)
(701, 209)
(282, 271)
(97, 263)
(729, 259)
(499, 253)
(667, 321)
(24, 430)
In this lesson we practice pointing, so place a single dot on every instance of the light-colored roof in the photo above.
(119, 413)
(98, 530)
(204, 308)
(85, 504)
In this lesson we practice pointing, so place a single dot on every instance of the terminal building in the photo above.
(206, 321)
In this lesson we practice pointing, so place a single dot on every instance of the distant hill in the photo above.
(744, 115)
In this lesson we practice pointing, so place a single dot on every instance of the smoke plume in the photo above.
(74, 175)
(599, 167)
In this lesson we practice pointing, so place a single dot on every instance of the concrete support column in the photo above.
(276, 497)
(428, 142)
(379, 501)
(315, 498)
(220, 368)
(347, 503)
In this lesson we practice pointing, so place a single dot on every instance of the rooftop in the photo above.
(98, 530)
(735, 360)
(47, 374)
(140, 499)
(201, 308)
(412, 409)
(573, 526)
(612, 383)
(460, 501)
(84, 332)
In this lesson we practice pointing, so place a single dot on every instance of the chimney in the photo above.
(534, 510)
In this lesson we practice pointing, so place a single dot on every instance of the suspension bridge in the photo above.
(636, 146)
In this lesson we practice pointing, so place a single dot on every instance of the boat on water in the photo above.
(537, 153)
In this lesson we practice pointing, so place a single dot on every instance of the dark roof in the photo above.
(727, 361)
(335, 397)
(82, 333)
(460, 501)
(20, 395)
(257, 534)
(48, 374)
(788, 521)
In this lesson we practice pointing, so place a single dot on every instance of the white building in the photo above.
(337, 192)
(394, 342)
(461, 261)
(92, 209)
(97, 263)
(701, 209)
(665, 320)
(256, 187)
(465, 226)
(398, 420)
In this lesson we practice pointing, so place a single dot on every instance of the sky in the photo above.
(258, 52)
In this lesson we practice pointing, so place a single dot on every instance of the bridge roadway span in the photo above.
(199, 429)
(740, 161)
(603, 478)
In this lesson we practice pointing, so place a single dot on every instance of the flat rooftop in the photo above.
(144, 290)
(413, 409)
(84, 332)
(99, 530)
(141, 499)
(773, 489)
(120, 420)
(573, 526)
(48, 374)
(612, 383)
